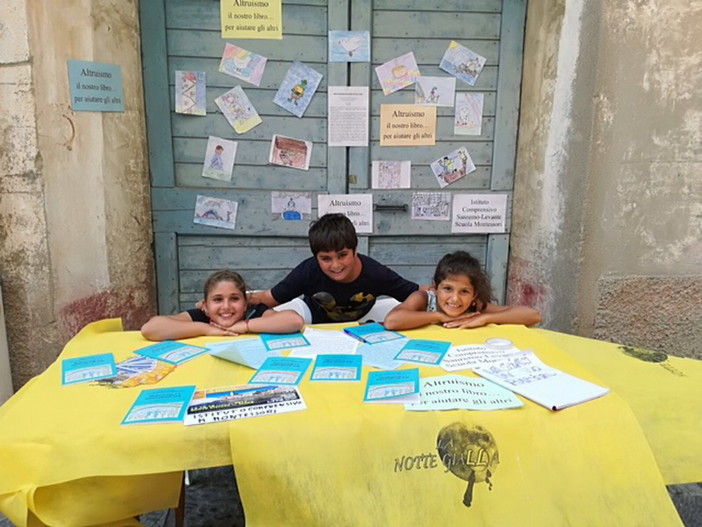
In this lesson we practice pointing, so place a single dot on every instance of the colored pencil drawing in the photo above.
(190, 92)
(462, 63)
(297, 88)
(289, 152)
(452, 167)
(349, 46)
(435, 91)
(291, 206)
(242, 64)
(390, 174)
(238, 110)
(469, 113)
(219, 158)
(397, 73)
(215, 212)
(431, 205)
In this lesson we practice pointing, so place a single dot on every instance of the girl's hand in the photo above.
(218, 331)
(468, 320)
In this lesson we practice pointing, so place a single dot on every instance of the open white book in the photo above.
(526, 375)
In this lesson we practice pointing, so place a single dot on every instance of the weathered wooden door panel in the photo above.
(185, 35)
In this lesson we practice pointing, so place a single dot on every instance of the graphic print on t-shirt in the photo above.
(357, 306)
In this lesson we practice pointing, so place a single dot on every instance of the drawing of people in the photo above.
(216, 163)
(434, 95)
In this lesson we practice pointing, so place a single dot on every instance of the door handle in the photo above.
(391, 208)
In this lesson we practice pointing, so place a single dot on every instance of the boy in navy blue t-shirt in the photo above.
(337, 284)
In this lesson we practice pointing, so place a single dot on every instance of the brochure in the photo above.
(525, 374)
(454, 392)
(85, 369)
(281, 370)
(251, 352)
(285, 341)
(393, 386)
(340, 368)
(213, 405)
(159, 405)
(372, 333)
(423, 351)
(171, 351)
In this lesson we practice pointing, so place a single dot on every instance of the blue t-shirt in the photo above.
(331, 301)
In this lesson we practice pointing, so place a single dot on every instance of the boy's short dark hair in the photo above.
(332, 232)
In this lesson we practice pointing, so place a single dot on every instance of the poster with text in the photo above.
(479, 213)
(347, 112)
(251, 19)
(219, 158)
(407, 125)
(390, 174)
(397, 73)
(95, 86)
(356, 207)
(291, 206)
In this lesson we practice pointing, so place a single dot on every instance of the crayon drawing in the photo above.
(390, 174)
(452, 167)
(215, 212)
(298, 87)
(435, 91)
(291, 206)
(190, 90)
(469, 114)
(238, 110)
(219, 158)
(462, 63)
(242, 64)
(289, 152)
(397, 73)
(349, 46)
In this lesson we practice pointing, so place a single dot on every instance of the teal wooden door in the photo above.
(184, 35)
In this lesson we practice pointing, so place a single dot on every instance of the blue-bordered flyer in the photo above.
(86, 369)
(424, 351)
(251, 352)
(159, 405)
(171, 351)
(339, 368)
(281, 370)
(284, 341)
(373, 333)
(400, 386)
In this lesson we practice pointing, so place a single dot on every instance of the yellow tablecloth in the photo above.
(65, 459)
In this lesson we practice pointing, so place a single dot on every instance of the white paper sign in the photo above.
(348, 115)
(356, 207)
(482, 213)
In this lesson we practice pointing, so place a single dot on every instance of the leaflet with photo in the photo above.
(372, 333)
(339, 368)
(399, 387)
(281, 370)
(159, 405)
(86, 369)
(171, 351)
(423, 351)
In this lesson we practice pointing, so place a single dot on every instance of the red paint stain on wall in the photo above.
(106, 304)
(521, 290)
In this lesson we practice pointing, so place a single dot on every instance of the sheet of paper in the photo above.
(290, 152)
(238, 110)
(190, 92)
(382, 355)
(347, 123)
(468, 118)
(291, 206)
(323, 342)
(262, 20)
(337, 368)
(435, 91)
(247, 352)
(483, 213)
(397, 73)
(407, 125)
(357, 207)
(215, 212)
(219, 158)
(431, 206)
(451, 392)
(391, 174)
(349, 46)
(242, 64)
(469, 356)
(452, 167)
(297, 88)
(462, 63)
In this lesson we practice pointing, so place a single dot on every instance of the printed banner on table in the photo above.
(252, 19)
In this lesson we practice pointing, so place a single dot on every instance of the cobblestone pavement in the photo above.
(211, 500)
